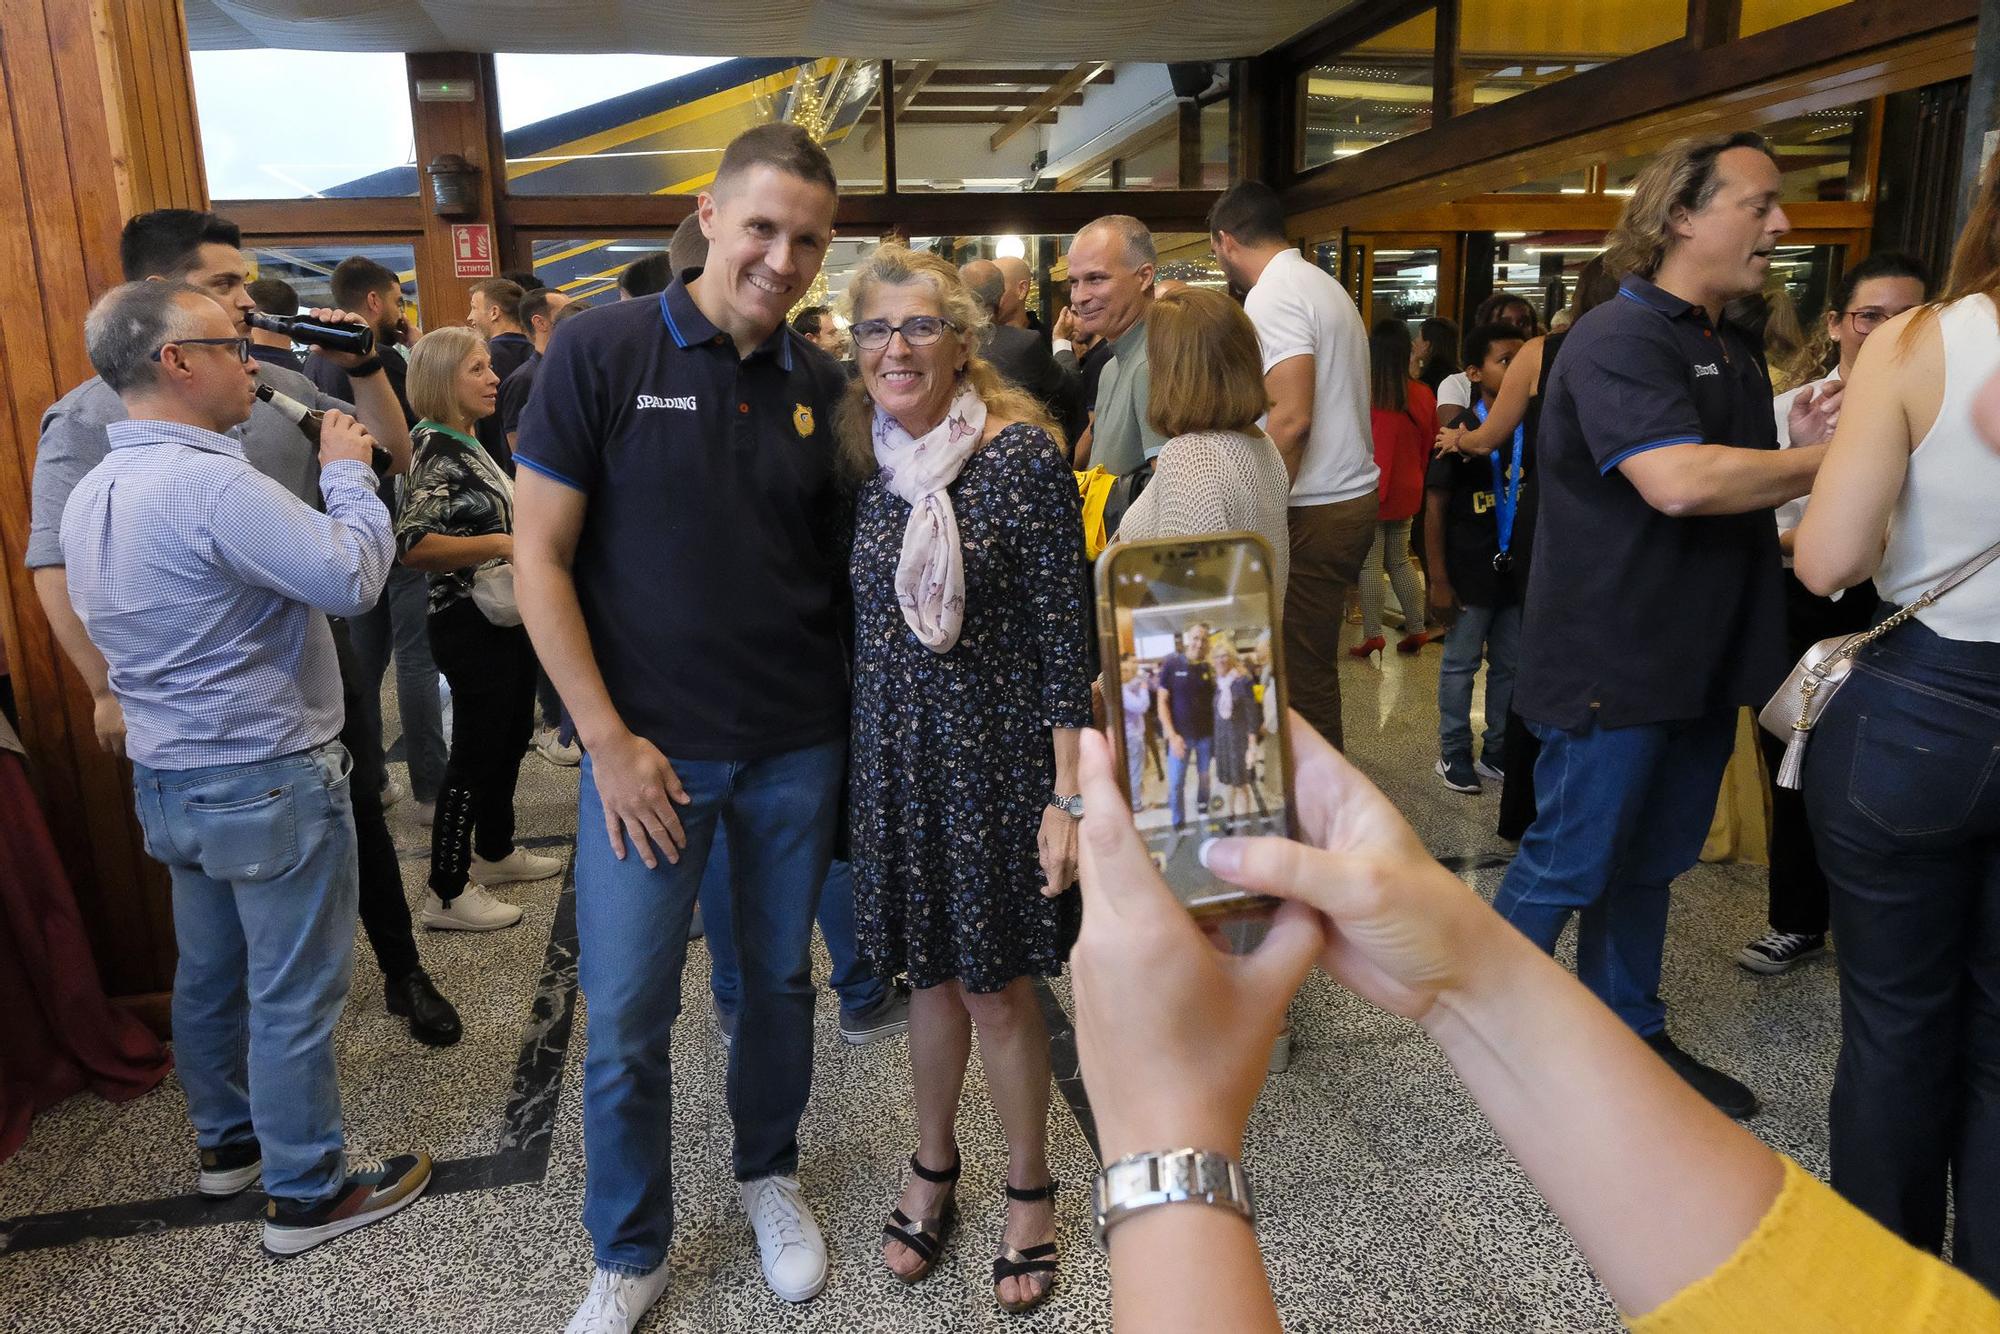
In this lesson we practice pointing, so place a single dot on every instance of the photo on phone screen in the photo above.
(1199, 704)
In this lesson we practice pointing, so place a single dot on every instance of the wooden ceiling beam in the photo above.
(1068, 84)
(945, 99)
(920, 74)
(961, 77)
(963, 116)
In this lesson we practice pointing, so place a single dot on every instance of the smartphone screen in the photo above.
(1196, 702)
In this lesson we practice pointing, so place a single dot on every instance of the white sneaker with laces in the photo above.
(393, 793)
(548, 744)
(616, 1302)
(520, 864)
(788, 1240)
(473, 910)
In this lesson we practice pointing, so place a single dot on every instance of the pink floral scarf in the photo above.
(930, 576)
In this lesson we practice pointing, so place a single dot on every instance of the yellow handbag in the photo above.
(1094, 489)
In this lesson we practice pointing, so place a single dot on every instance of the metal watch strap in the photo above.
(1168, 1176)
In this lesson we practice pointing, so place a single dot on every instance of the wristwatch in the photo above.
(1070, 806)
(1168, 1176)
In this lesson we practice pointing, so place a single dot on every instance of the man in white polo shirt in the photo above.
(1316, 372)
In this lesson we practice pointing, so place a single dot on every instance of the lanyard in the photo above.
(1507, 489)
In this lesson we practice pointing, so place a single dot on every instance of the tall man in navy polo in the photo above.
(680, 561)
(1659, 473)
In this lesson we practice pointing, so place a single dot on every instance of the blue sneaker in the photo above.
(1459, 775)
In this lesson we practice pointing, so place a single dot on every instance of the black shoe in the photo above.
(884, 1019)
(228, 1169)
(1459, 775)
(370, 1194)
(1729, 1097)
(433, 1021)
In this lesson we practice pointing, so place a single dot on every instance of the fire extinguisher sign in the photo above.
(472, 250)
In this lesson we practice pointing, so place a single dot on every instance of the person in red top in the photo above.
(1403, 413)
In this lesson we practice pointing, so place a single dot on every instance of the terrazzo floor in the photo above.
(1387, 1202)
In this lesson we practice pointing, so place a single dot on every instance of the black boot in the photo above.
(433, 1021)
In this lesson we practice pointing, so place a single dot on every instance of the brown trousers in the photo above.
(1329, 542)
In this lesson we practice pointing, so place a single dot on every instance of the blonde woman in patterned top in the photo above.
(1218, 471)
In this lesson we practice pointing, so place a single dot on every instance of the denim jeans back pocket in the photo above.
(245, 839)
(1914, 778)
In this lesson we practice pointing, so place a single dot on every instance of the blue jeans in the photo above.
(632, 930)
(1135, 766)
(1902, 786)
(1202, 751)
(1498, 634)
(857, 988)
(265, 877)
(1620, 812)
(399, 624)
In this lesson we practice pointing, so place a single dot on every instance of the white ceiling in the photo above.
(1151, 30)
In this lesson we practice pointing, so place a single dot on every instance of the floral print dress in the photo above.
(952, 762)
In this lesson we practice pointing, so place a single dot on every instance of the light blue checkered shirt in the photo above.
(202, 581)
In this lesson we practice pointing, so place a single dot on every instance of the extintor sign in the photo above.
(472, 250)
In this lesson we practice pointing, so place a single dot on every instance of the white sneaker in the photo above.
(788, 1240)
(424, 813)
(473, 910)
(549, 746)
(392, 793)
(520, 864)
(616, 1302)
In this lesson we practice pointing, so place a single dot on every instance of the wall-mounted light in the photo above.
(454, 186)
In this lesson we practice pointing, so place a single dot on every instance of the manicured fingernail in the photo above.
(1220, 855)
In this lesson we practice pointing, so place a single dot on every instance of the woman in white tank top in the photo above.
(1902, 781)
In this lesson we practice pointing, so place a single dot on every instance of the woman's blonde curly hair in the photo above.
(895, 265)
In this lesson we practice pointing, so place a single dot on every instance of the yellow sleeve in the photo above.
(1816, 1263)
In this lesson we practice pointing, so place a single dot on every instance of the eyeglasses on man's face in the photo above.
(1866, 318)
(240, 345)
(920, 331)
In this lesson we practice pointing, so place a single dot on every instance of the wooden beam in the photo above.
(949, 99)
(471, 129)
(1064, 86)
(320, 217)
(920, 74)
(967, 116)
(1444, 65)
(1601, 112)
(1155, 131)
(921, 212)
(1713, 23)
(948, 77)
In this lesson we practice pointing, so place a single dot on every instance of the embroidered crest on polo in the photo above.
(802, 420)
(1711, 368)
(685, 402)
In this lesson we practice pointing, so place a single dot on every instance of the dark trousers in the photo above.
(492, 673)
(1902, 785)
(1798, 886)
(385, 912)
(1329, 542)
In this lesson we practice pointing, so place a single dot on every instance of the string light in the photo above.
(808, 108)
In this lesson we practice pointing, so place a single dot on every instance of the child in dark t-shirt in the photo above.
(1477, 573)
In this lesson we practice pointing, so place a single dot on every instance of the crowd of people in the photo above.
(807, 602)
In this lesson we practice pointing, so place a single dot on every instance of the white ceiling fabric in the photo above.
(1153, 30)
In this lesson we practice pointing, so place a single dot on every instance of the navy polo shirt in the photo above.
(1633, 615)
(712, 567)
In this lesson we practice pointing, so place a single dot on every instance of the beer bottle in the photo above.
(356, 338)
(309, 420)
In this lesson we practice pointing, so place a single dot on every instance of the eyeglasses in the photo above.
(1866, 318)
(922, 331)
(241, 345)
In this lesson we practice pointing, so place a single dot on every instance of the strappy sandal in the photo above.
(925, 1237)
(1038, 1259)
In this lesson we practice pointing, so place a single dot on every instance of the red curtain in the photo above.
(58, 1033)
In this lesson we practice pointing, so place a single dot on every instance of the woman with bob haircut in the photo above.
(458, 521)
(1218, 471)
(972, 669)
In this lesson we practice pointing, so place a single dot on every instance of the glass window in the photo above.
(1377, 92)
(1108, 127)
(1542, 267)
(1507, 48)
(1823, 154)
(1760, 15)
(640, 125)
(1404, 285)
(309, 269)
(587, 268)
(368, 150)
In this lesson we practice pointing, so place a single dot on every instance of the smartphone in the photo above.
(1195, 694)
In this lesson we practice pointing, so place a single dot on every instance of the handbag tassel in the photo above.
(1792, 771)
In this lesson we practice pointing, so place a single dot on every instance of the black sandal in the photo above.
(1038, 1259)
(925, 1237)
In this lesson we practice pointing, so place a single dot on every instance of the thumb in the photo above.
(1281, 961)
(1341, 885)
